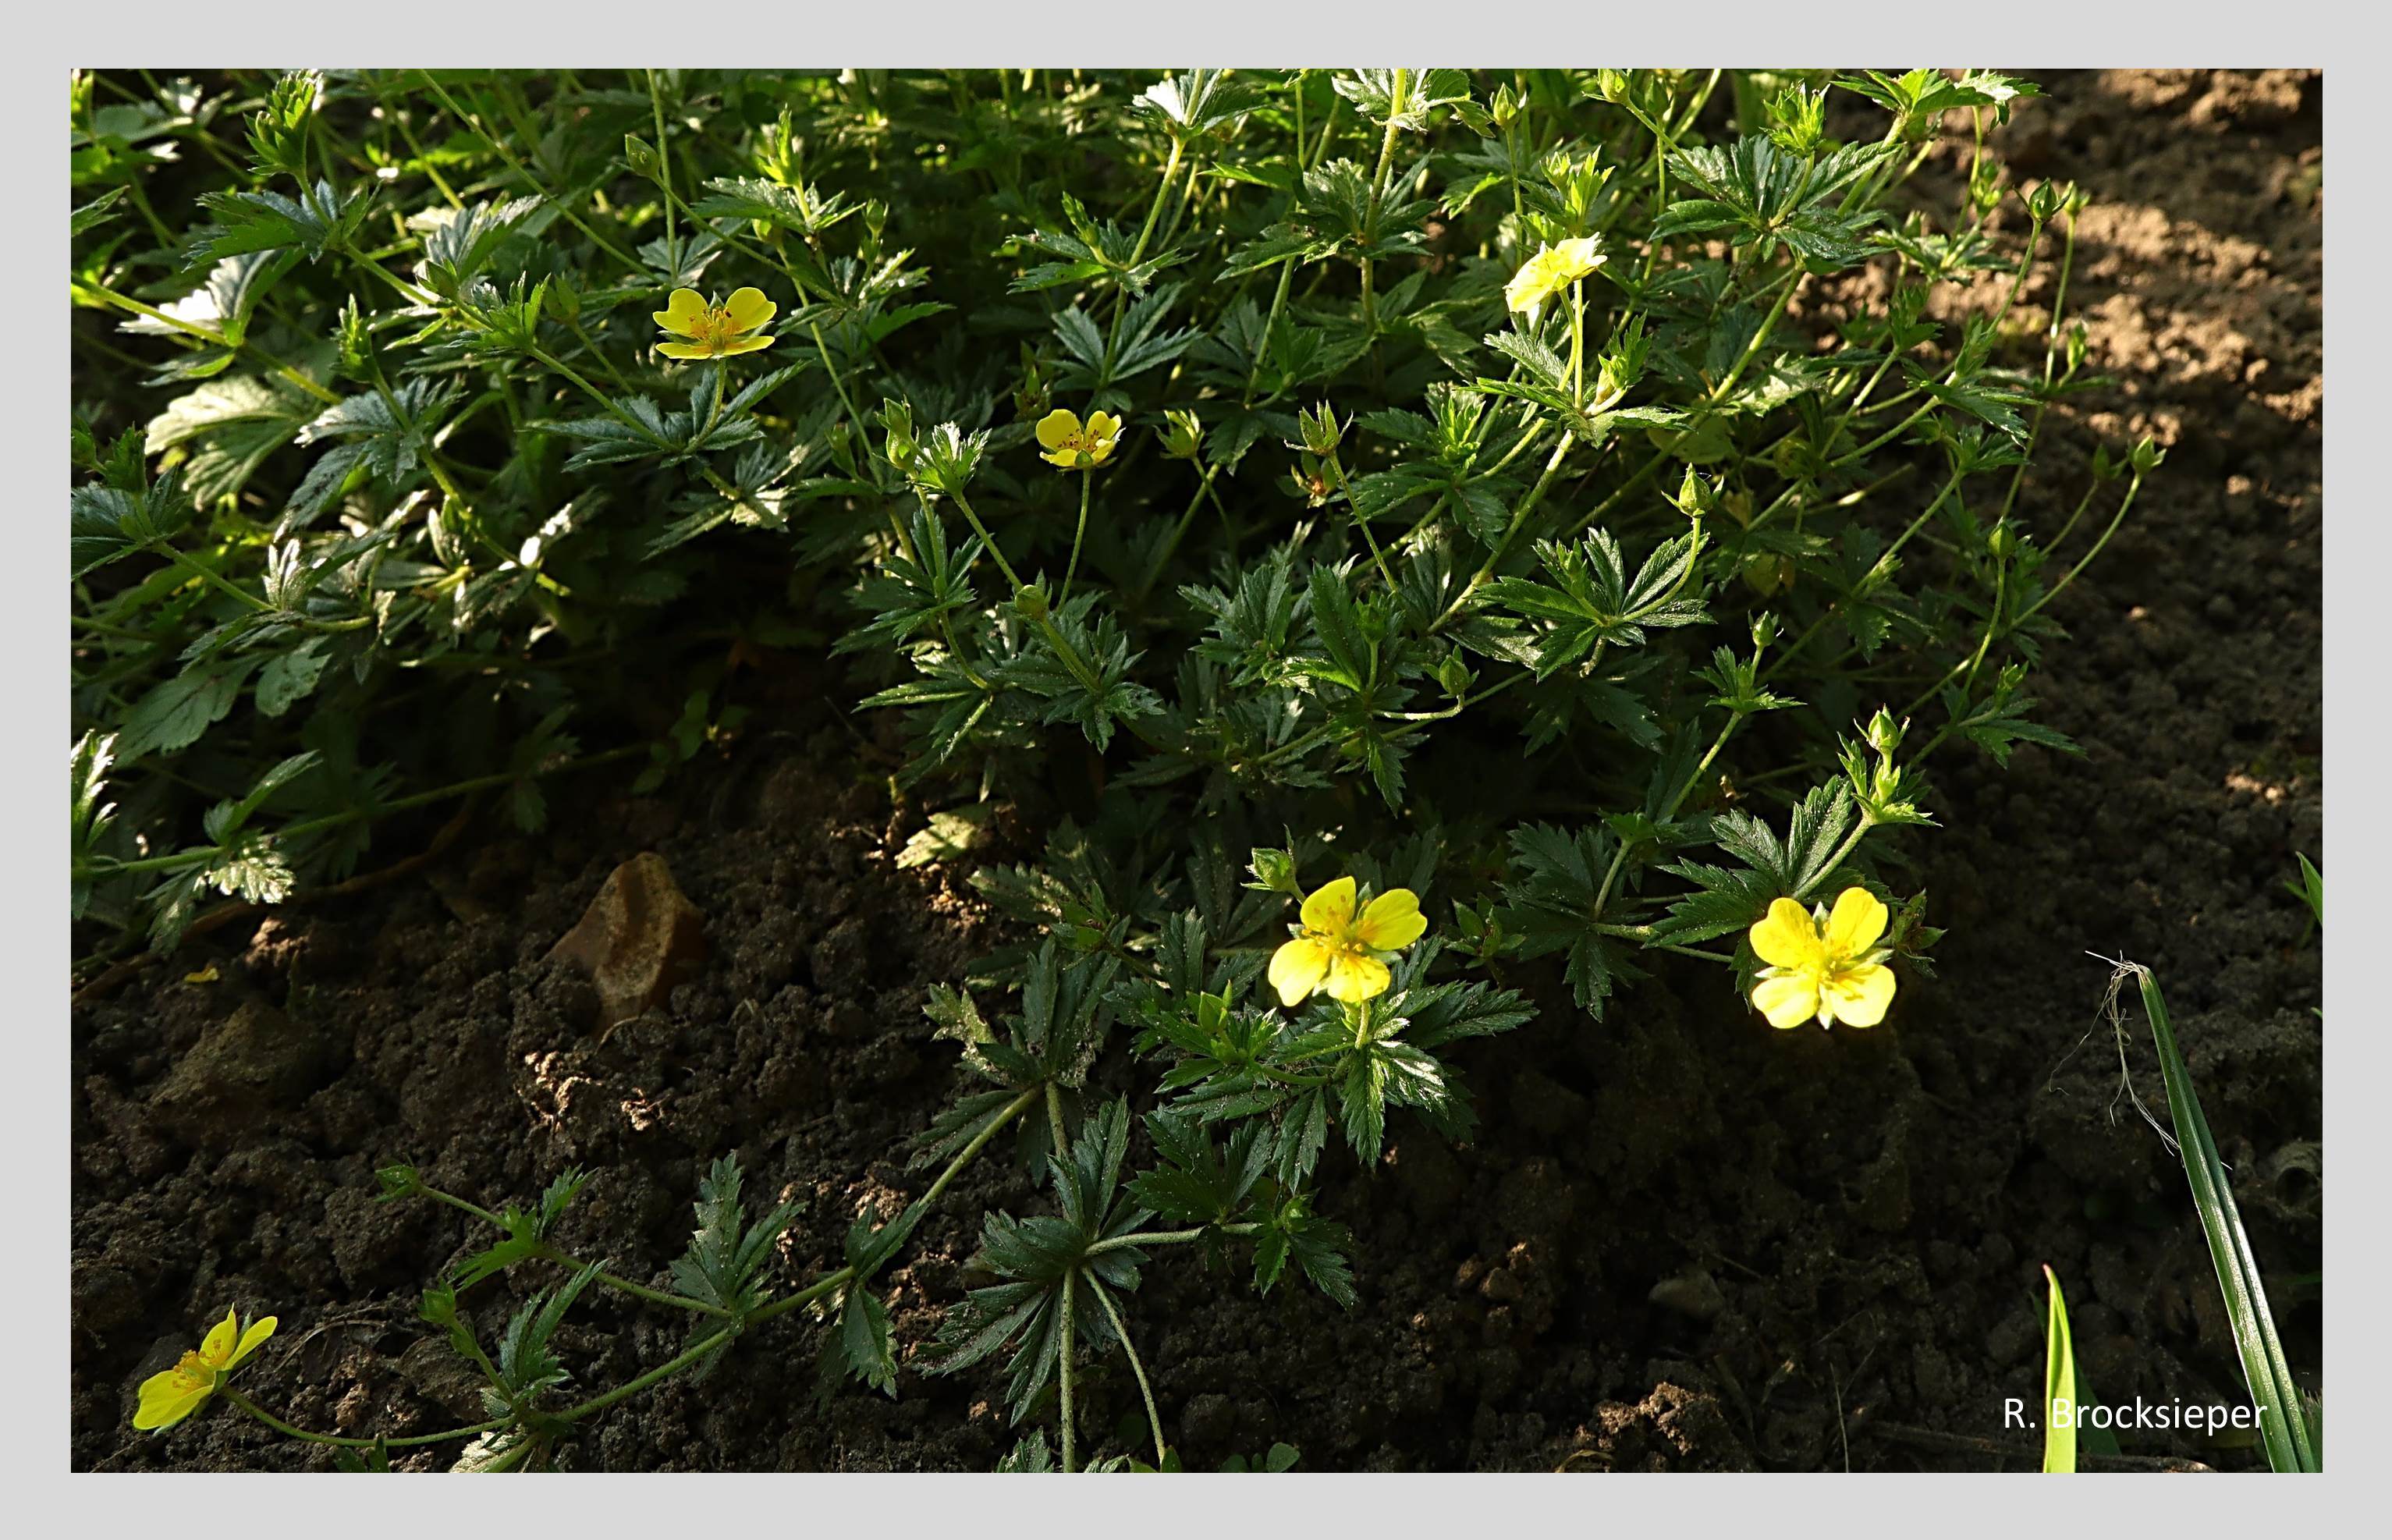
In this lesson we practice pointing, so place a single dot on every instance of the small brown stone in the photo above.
(1694, 1293)
(638, 939)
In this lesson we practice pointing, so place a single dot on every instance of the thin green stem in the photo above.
(1120, 1331)
(1070, 1350)
(191, 329)
(1079, 531)
(2120, 517)
(254, 1409)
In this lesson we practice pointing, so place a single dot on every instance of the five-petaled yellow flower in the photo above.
(1337, 948)
(1072, 447)
(170, 1395)
(1824, 965)
(714, 331)
(1553, 269)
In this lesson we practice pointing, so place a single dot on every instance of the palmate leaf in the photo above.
(1590, 600)
(726, 1254)
(458, 243)
(1199, 1182)
(525, 1362)
(1551, 903)
(639, 429)
(1317, 1246)
(1096, 702)
(267, 221)
(106, 521)
(386, 433)
(1805, 859)
(1758, 189)
(802, 210)
(233, 423)
(1043, 1257)
(1198, 101)
(224, 301)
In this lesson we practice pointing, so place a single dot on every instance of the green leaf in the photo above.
(2283, 1428)
(2059, 1387)
(175, 712)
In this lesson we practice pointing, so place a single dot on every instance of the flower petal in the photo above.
(1056, 427)
(749, 309)
(1103, 425)
(215, 1350)
(1067, 458)
(1330, 909)
(1858, 920)
(1296, 969)
(744, 345)
(1788, 999)
(684, 350)
(1354, 978)
(1861, 995)
(253, 1338)
(1787, 937)
(682, 312)
(169, 1396)
(1393, 921)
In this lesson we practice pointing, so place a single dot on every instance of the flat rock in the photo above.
(255, 1061)
(638, 937)
(1694, 1293)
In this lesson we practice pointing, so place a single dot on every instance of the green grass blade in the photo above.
(2059, 1386)
(2283, 1425)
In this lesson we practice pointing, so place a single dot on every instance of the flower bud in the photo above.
(1274, 872)
(1031, 603)
(641, 156)
(1322, 431)
(1884, 733)
(2146, 457)
(1181, 433)
(1695, 496)
(898, 419)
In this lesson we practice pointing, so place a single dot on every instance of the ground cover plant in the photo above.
(1383, 519)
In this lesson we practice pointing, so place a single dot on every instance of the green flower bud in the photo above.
(1322, 431)
(1181, 433)
(641, 156)
(1884, 733)
(1031, 603)
(1274, 872)
(898, 419)
(1695, 496)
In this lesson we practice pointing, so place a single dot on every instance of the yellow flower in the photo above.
(170, 1395)
(1553, 269)
(1070, 445)
(1825, 966)
(1337, 946)
(716, 331)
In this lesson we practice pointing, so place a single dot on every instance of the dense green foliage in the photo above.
(1574, 496)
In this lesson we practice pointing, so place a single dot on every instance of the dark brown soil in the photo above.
(1680, 1241)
